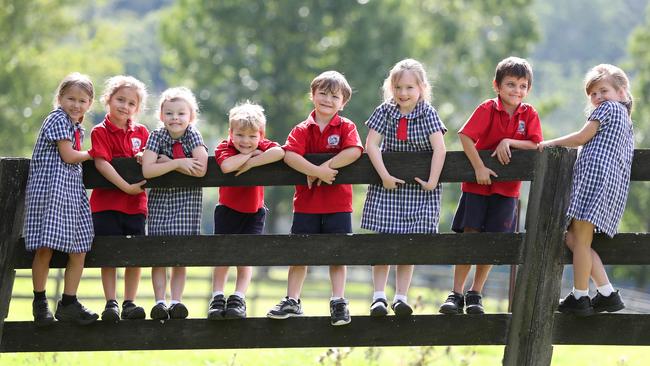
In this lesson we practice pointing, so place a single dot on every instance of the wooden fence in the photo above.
(528, 333)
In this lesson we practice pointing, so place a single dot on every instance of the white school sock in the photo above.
(217, 293)
(173, 302)
(241, 295)
(400, 297)
(336, 298)
(378, 295)
(605, 289)
(160, 302)
(580, 293)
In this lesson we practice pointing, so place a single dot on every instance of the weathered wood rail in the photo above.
(528, 333)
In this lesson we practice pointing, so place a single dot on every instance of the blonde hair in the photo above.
(248, 116)
(396, 73)
(613, 75)
(115, 83)
(74, 79)
(332, 81)
(179, 94)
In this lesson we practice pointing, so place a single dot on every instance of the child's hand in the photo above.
(542, 145)
(483, 175)
(138, 157)
(391, 182)
(135, 188)
(244, 168)
(427, 186)
(326, 174)
(310, 181)
(162, 158)
(256, 152)
(189, 166)
(502, 152)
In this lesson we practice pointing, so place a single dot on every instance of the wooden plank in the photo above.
(363, 331)
(539, 278)
(607, 329)
(273, 250)
(624, 248)
(640, 166)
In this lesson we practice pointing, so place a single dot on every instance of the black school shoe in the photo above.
(159, 312)
(453, 305)
(610, 303)
(235, 308)
(111, 312)
(217, 308)
(178, 311)
(41, 312)
(339, 312)
(577, 307)
(379, 308)
(75, 313)
(131, 311)
(473, 303)
(400, 308)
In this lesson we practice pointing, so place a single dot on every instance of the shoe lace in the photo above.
(339, 309)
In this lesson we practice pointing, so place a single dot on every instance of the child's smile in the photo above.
(177, 116)
(407, 92)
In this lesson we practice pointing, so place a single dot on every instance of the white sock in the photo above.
(378, 295)
(241, 295)
(605, 289)
(580, 293)
(173, 302)
(291, 298)
(335, 298)
(217, 293)
(400, 297)
(160, 302)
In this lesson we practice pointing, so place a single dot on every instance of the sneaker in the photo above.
(339, 312)
(75, 313)
(453, 305)
(610, 303)
(111, 312)
(178, 311)
(285, 308)
(379, 307)
(578, 307)
(131, 311)
(235, 308)
(159, 312)
(42, 314)
(217, 308)
(400, 308)
(473, 303)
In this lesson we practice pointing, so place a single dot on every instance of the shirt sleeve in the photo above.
(266, 144)
(145, 136)
(296, 140)
(377, 120)
(195, 140)
(534, 127)
(602, 114)
(57, 127)
(153, 142)
(350, 136)
(100, 144)
(475, 127)
(223, 151)
(433, 122)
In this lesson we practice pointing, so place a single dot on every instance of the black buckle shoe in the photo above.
(379, 308)
(400, 308)
(178, 311)
(473, 303)
(577, 307)
(453, 305)
(159, 312)
(131, 311)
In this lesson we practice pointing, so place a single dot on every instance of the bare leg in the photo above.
(219, 278)
(480, 276)
(109, 278)
(581, 234)
(131, 282)
(73, 271)
(403, 275)
(41, 268)
(159, 281)
(337, 278)
(295, 279)
(244, 275)
(598, 274)
(177, 282)
(380, 277)
(462, 270)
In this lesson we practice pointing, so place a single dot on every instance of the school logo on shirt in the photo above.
(333, 141)
(136, 144)
(521, 128)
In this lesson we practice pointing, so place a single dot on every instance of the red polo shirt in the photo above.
(488, 125)
(108, 142)
(242, 199)
(306, 138)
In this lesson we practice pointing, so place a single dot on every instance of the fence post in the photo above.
(13, 180)
(538, 281)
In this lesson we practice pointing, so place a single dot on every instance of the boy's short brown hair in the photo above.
(514, 66)
(248, 116)
(332, 81)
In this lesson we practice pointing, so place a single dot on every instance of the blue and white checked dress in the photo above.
(409, 208)
(175, 211)
(601, 174)
(57, 213)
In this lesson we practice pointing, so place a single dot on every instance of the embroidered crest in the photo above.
(136, 144)
(521, 128)
(333, 141)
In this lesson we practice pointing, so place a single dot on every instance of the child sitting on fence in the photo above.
(405, 121)
(122, 210)
(497, 124)
(176, 146)
(57, 213)
(320, 207)
(241, 209)
(601, 180)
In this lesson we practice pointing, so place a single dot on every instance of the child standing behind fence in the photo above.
(122, 210)
(177, 146)
(57, 214)
(241, 209)
(601, 180)
(497, 124)
(405, 121)
(320, 207)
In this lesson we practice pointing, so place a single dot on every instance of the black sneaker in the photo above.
(111, 312)
(217, 308)
(75, 313)
(159, 312)
(578, 307)
(285, 308)
(610, 303)
(131, 311)
(400, 308)
(42, 314)
(473, 303)
(178, 311)
(235, 308)
(379, 307)
(453, 305)
(339, 312)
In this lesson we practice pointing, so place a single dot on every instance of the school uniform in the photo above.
(408, 208)
(57, 212)
(601, 174)
(177, 210)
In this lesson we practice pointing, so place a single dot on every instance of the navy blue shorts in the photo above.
(108, 223)
(334, 223)
(229, 221)
(494, 213)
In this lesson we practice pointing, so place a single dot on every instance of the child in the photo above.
(121, 210)
(241, 209)
(321, 208)
(497, 124)
(405, 121)
(601, 180)
(57, 214)
(174, 211)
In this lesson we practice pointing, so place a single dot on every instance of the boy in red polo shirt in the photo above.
(241, 209)
(319, 207)
(122, 210)
(498, 125)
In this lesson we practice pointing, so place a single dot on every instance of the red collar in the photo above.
(335, 121)
(521, 108)
(112, 127)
